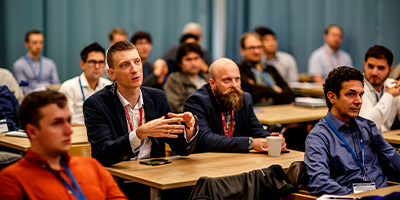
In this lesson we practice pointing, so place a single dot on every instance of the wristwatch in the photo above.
(196, 123)
(250, 143)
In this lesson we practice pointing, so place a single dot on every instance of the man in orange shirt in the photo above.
(47, 171)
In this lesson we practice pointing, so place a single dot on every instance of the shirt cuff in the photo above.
(136, 143)
(184, 134)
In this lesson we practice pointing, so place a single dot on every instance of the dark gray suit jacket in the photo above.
(211, 135)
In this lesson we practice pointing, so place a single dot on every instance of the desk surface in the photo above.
(186, 170)
(22, 144)
(392, 137)
(378, 192)
(287, 114)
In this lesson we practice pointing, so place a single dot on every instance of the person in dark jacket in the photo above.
(226, 114)
(263, 82)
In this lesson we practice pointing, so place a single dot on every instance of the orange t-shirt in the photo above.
(32, 178)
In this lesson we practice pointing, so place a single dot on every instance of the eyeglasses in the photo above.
(254, 48)
(92, 63)
(143, 43)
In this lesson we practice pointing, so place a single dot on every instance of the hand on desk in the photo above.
(257, 143)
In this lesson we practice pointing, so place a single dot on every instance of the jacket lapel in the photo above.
(150, 115)
(119, 108)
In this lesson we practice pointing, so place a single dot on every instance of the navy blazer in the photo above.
(107, 128)
(211, 134)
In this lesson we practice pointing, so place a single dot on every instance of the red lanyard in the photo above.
(129, 118)
(331, 59)
(224, 125)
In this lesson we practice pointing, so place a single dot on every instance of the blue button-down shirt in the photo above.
(331, 167)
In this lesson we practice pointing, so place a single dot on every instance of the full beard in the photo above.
(229, 101)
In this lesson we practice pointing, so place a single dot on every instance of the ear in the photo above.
(32, 131)
(390, 69)
(241, 51)
(82, 65)
(332, 97)
(26, 45)
(111, 74)
(212, 84)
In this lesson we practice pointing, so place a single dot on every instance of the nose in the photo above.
(358, 99)
(68, 129)
(135, 67)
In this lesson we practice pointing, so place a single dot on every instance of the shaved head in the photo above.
(221, 64)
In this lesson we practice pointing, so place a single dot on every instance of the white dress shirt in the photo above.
(72, 89)
(143, 146)
(380, 109)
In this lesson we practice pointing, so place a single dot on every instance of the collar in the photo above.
(337, 123)
(40, 161)
(276, 57)
(251, 65)
(84, 80)
(369, 86)
(330, 50)
(125, 102)
(31, 58)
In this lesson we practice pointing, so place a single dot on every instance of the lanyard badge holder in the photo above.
(364, 185)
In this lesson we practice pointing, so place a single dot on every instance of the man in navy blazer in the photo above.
(128, 121)
(221, 99)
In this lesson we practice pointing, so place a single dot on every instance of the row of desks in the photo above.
(187, 170)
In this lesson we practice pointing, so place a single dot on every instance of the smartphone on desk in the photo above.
(154, 162)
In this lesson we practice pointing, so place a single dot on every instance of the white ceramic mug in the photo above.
(274, 144)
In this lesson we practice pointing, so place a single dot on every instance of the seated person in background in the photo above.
(263, 82)
(179, 85)
(8, 108)
(79, 88)
(191, 28)
(7, 79)
(153, 76)
(115, 35)
(184, 39)
(126, 121)
(381, 100)
(47, 171)
(329, 56)
(395, 72)
(282, 61)
(226, 115)
(344, 148)
(37, 70)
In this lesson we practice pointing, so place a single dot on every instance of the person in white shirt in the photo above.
(329, 56)
(381, 95)
(79, 88)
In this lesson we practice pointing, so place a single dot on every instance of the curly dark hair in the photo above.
(336, 77)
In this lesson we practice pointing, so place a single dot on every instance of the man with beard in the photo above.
(343, 148)
(263, 82)
(225, 112)
(381, 98)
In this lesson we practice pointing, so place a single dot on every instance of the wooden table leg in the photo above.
(155, 193)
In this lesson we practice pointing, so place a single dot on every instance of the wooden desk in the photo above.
(186, 170)
(53, 87)
(79, 137)
(392, 137)
(289, 114)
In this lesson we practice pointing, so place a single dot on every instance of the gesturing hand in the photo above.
(160, 127)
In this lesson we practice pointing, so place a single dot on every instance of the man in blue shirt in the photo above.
(39, 71)
(343, 147)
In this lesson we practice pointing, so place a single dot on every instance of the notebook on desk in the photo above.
(310, 102)
(17, 134)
